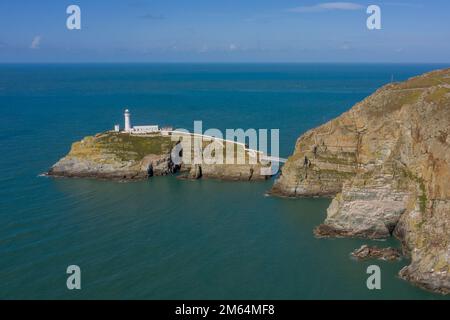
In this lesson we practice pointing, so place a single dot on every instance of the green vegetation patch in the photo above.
(407, 176)
(423, 197)
(394, 101)
(345, 158)
(429, 80)
(131, 147)
(404, 98)
(438, 95)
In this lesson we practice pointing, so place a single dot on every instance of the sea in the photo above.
(167, 238)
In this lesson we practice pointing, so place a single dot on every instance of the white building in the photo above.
(145, 129)
(127, 116)
(137, 129)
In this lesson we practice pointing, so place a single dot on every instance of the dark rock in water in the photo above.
(366, 252)
(327, 231)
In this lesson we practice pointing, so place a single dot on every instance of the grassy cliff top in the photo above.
(122, 146)
(427, 80)
(113, 146)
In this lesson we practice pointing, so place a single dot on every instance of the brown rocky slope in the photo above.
(386, 162)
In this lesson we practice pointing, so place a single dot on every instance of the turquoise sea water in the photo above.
(166, 238)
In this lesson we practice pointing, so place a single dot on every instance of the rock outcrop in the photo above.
(386, 162)
(123, 156)
(206, 163)
(366, 252)
(231, 172)
(119, 156)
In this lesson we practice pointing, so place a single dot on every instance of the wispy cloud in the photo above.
(328, 6)
(232, 47)
(35, 44)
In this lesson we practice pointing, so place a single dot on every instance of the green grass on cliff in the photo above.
(439, 95)
(440, 77)
(345, 158)
(130, 147)
(405, 177)
(409, 92)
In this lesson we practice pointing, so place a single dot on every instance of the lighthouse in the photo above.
(127, 121)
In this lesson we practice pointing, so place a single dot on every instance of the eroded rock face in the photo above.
(209, 165)
(158, 165)
(425, 235)
(231, 172)
(366, 211)
(387, 163)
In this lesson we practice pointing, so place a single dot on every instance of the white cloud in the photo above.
(328, 6)
(36, 42)
(232, 47)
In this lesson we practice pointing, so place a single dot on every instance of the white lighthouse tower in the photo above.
(127, 121)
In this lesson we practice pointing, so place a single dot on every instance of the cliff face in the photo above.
(244, 166)
(116, 156)
(387, 163)
(123, 156)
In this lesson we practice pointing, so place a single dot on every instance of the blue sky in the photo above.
(224, 31)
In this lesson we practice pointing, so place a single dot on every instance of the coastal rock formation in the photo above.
(123, 156)
(244, 166)
(366, 252)
(117, 156)
(386, 162)
(157, 165)
(235, 172)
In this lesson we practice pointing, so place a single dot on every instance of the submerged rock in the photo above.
(386, 163)
(366, 252)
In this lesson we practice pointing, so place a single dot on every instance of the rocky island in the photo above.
(386, 163)
(126, 156)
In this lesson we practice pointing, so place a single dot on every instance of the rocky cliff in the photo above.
(123, 156)
(116, 156)
(386, 162)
